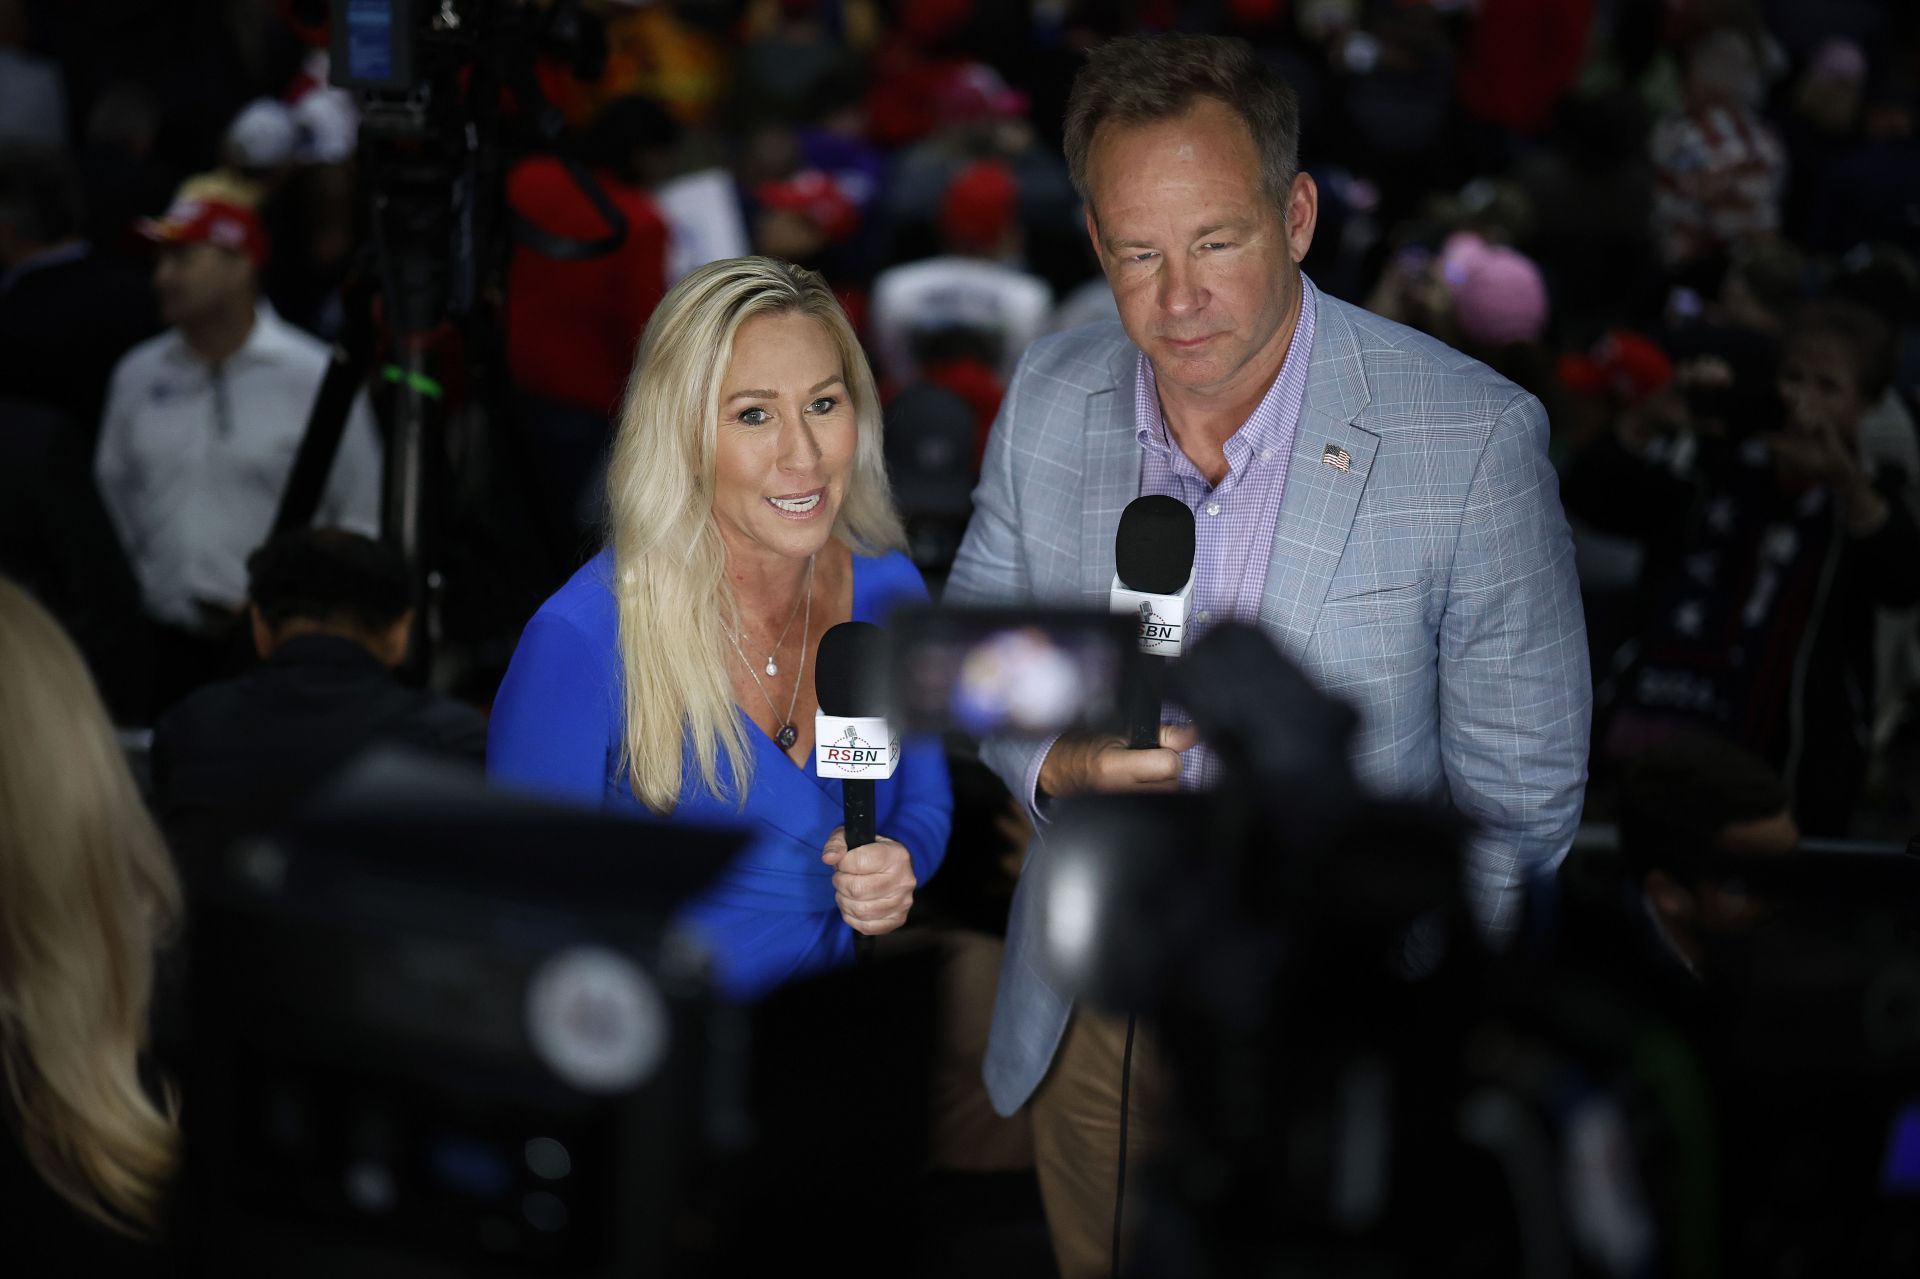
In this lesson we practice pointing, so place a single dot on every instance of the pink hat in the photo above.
(1498, 295)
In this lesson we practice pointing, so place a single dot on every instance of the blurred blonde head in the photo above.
(669, 563)
(86, 891)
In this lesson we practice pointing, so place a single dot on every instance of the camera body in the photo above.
(438, 1030)
(1354, 1081)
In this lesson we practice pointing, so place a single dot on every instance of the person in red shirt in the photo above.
(1520, 59)
(574, 322)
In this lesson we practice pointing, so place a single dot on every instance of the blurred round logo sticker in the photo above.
(596, 1020)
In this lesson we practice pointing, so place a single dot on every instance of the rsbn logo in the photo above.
(854, 752)
(1155, 629)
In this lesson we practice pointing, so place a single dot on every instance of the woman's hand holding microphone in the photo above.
(873, 884)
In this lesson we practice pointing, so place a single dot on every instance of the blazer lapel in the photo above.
(1326, 475)
(1110, 475)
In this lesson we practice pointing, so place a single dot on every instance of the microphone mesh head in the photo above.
(1153, 551)
(848, 668)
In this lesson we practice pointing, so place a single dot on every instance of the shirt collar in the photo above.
(269, 341)
(1271, 419)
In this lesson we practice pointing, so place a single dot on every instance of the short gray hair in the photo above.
(1146, 79)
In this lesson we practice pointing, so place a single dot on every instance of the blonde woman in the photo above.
(86, 889)
(674, 674)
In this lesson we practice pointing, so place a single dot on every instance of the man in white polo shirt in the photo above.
(201, 428)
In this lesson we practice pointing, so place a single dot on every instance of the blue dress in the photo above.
(557, 729)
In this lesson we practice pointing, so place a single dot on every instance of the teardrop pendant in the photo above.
(772, 669)
(787, 736)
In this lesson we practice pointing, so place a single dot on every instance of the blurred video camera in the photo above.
(449, 97)
(1357, 1084)
(402, 58)
(437, 1030)
(447, 93)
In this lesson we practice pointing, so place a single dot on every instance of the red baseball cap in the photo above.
(979, 204)
(815, 196)
(1628, 364)
(976, 92)
(208, 219)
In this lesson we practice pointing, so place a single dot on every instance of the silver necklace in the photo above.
(773, 667)
(787, 734)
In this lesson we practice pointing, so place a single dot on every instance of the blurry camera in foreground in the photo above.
(1353, 1083)
(1286, 857)
(440, 1030)
(1137, 884)
(437, 1030)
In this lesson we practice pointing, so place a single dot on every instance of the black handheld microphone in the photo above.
(1153, 580)
(851, 738)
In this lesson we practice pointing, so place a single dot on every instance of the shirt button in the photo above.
(1266, 455)
(1206, 615)
(1213, 508)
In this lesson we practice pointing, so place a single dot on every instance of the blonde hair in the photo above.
(86, 891)
(669, 564)
(221, 184)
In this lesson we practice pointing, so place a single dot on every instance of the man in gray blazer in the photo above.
(1379, 504)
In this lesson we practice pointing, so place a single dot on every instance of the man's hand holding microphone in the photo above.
(1153, 558)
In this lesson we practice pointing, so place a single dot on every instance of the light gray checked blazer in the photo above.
(1431, 584)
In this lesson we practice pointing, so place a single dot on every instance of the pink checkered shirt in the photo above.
(1234, 520)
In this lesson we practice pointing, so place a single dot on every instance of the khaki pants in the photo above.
(1076, 1138)
(967, 1136)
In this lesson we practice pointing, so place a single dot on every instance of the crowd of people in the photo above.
(1652, 269)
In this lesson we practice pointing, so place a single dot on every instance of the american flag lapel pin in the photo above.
(1338, 458)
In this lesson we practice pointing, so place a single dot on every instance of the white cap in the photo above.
(329, 126)
(263, 136)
